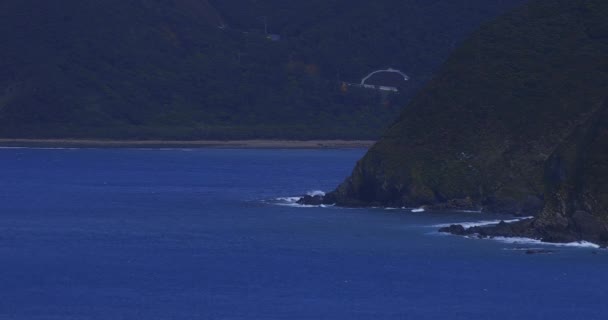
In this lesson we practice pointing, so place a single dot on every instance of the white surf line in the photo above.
(517, 240)
(469, 211)
(389, 70)
(467, 225)
(293, 201)
(289, 202)
(415, 210)
(530, 241)
(43, 148)
(316, 193)
(288, 199)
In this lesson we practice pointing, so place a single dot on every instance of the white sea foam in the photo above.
(289, 202)
(469, 211)
(517, 240)
(316, 193)
(293, 201)
(467, 225)
(42, 148)
(400, 208)
(289, 199)
(529, 241)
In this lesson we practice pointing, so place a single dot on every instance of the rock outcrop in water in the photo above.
(516, 122)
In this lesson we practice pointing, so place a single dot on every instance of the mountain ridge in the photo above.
(485, 132)
(152, 69)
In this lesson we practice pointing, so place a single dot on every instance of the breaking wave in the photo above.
(517, 240)
(529, 241)
(467, 225)
(293, 201)
(316, 193)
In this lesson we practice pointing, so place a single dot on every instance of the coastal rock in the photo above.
(516, 122)
(501, 229)
(315, 200)
(455, 229)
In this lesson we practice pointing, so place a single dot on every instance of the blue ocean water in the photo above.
(196, 234)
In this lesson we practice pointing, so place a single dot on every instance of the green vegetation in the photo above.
(515, 120)
(158, 69)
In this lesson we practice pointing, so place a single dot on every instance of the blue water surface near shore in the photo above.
(196, 234)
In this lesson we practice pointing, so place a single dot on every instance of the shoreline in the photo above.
(481, 229)
(227, 144)
(501, 230)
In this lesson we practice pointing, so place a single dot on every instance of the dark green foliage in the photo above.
(163, 69)
(576, 184)
(525, 91)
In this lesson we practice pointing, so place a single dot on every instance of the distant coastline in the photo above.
(247, 144)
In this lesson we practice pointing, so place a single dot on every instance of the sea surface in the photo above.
(212, 234)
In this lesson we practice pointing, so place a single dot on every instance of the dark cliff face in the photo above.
(515, 122)
(577, 185)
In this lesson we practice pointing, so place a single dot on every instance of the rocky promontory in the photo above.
(516, 122)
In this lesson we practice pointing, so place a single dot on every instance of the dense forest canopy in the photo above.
(515, 122)
(195, 69)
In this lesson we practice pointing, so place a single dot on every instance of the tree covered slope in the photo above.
(514, 122)
(163, 69)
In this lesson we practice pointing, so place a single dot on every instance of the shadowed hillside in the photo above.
(515, 122)
(146, 69)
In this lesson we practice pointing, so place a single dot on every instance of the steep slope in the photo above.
(87, 68)
(515, 122)
(163, 69)
(353, 37)
(577, 185)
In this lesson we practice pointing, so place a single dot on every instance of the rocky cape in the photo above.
(516, 122)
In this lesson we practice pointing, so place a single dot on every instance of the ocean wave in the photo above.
(293, 201)
(316, 193)
(289, 202)
(530, 241)
(288, 199)
(469, 211)
(415, 210)
(484, 223)
(42, 148)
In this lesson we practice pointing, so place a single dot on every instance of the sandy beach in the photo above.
(253, 144)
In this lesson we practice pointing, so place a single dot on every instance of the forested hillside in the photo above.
(193, 69)
(515, 122)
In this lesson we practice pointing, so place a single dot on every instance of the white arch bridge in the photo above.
(389, 70)
(379, 87)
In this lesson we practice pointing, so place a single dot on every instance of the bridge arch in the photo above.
(389, 70)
